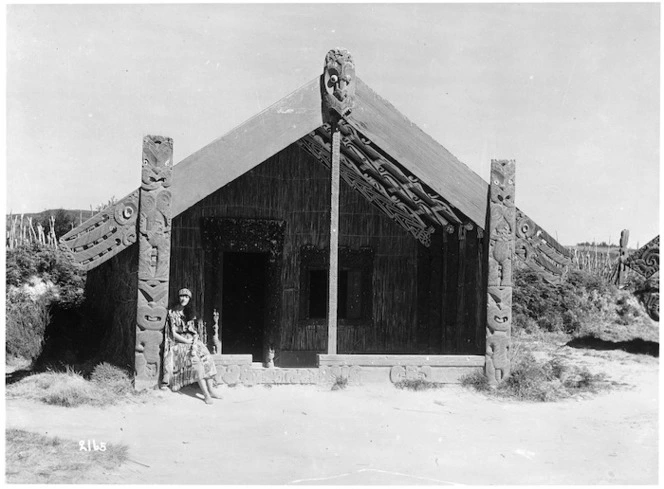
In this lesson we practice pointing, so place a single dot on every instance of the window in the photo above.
(349, 294)
(354, 292)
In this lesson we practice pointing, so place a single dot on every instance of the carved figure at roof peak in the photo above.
(339, 81)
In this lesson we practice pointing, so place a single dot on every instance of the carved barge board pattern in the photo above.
(646, 259)
(104, 235)
(383, 182)
(501, 231)
(540, 251)
(154, 249)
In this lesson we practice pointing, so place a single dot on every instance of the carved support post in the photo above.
(338, 95)
(501, 226)
(624, 239)
(154, 248)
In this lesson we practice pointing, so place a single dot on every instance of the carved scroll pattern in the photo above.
(540, 251)
(384, 183)
(104, 235)
(646, 259)
(246, 375)
(154, 248)
(501, 231)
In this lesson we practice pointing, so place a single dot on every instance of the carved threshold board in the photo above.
(402, 360)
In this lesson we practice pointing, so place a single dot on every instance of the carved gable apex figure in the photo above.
(156, 162)
(339, 82)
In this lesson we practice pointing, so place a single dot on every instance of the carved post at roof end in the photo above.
(154, 248)
(501, 230)
(338, 84)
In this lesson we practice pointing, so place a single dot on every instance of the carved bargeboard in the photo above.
(646, 259)
(154, 248)
(501, 231)
(540, 251)
(104, 235)
(383, 182)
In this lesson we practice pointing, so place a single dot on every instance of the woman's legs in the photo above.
(211, 389)
(206, 393)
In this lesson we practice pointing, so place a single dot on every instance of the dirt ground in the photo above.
(376, 434)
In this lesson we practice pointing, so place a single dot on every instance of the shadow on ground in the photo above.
(16, 375)
(636, 345)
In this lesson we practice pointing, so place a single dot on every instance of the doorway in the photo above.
(244, 293)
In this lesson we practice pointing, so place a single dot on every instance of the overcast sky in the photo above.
(570, 91)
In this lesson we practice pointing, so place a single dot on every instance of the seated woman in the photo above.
(186, 358)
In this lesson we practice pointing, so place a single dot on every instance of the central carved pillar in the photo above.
(338, 94)
(501, 230)
(154, 248)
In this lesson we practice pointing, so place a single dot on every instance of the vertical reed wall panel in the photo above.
(293, 187)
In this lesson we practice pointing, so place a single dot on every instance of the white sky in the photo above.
(571, 91)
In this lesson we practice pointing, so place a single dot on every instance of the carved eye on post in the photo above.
(334, 79)
(348, 78)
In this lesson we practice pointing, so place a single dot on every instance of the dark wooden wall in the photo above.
(111, 296)
(294, 187)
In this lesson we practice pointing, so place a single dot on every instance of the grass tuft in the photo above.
(36, 459)
(70, 389)
(543, 381)
(340, 383)
(112, 378)
(417, 385)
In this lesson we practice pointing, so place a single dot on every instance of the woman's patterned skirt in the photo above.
(186, 364)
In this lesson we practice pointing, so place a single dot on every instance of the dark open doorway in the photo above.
(244, 295)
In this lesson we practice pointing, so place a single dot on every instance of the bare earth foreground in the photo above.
(376, 434)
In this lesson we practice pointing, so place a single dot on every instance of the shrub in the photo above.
(573, 307)
(25, 323)
(45, 290)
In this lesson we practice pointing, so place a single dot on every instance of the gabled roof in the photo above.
(386, 157)
(298, 114)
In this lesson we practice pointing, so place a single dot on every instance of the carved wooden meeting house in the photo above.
(329, 186)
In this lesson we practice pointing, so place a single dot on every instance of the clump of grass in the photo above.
(36, 459)
(340, 383)
(112, 378)
(477, 381)
(533, 380)
(70, 389)
(417, 385)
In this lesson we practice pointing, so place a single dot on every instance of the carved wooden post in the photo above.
(624, 239)
(154, 248)
(501, 226)
(338, 93)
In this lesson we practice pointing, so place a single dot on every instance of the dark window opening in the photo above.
(354, 292)
(349, 294)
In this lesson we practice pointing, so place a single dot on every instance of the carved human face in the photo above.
(184, 300)
(339, 79)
